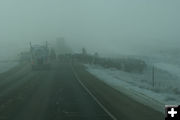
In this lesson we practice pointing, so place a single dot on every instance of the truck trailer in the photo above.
(39, 56)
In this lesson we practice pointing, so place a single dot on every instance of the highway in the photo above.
(59, 94)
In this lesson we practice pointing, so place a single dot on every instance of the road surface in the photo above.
(54, 94)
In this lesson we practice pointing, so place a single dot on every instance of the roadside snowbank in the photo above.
(173, 69)
(140, 87)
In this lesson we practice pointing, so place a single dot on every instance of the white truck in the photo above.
(39, 56)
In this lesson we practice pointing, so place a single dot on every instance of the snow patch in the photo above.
(173, 69)
(139, 86)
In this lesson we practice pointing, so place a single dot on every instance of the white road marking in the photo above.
(95, 99)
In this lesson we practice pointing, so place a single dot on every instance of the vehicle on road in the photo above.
(39, 56)
(52, 54)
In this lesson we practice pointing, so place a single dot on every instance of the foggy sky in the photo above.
(107, 26)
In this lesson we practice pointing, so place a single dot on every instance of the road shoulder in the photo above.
(119, 104)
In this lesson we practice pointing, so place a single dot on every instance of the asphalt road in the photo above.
(46, 95)
(119, 104)
(56, 94)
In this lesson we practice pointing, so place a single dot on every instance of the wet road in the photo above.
(46, 95)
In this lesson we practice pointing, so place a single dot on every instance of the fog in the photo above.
(106, 26)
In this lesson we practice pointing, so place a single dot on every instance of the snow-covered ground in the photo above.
(166, 89)
(173, 69)
(5, 66)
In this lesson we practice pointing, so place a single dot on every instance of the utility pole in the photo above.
(153, 80)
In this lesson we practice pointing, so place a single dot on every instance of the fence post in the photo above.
(153, 80)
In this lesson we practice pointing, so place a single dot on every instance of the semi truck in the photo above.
(39, 56)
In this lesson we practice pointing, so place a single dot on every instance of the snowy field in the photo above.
(166, 88)
(5, 66)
